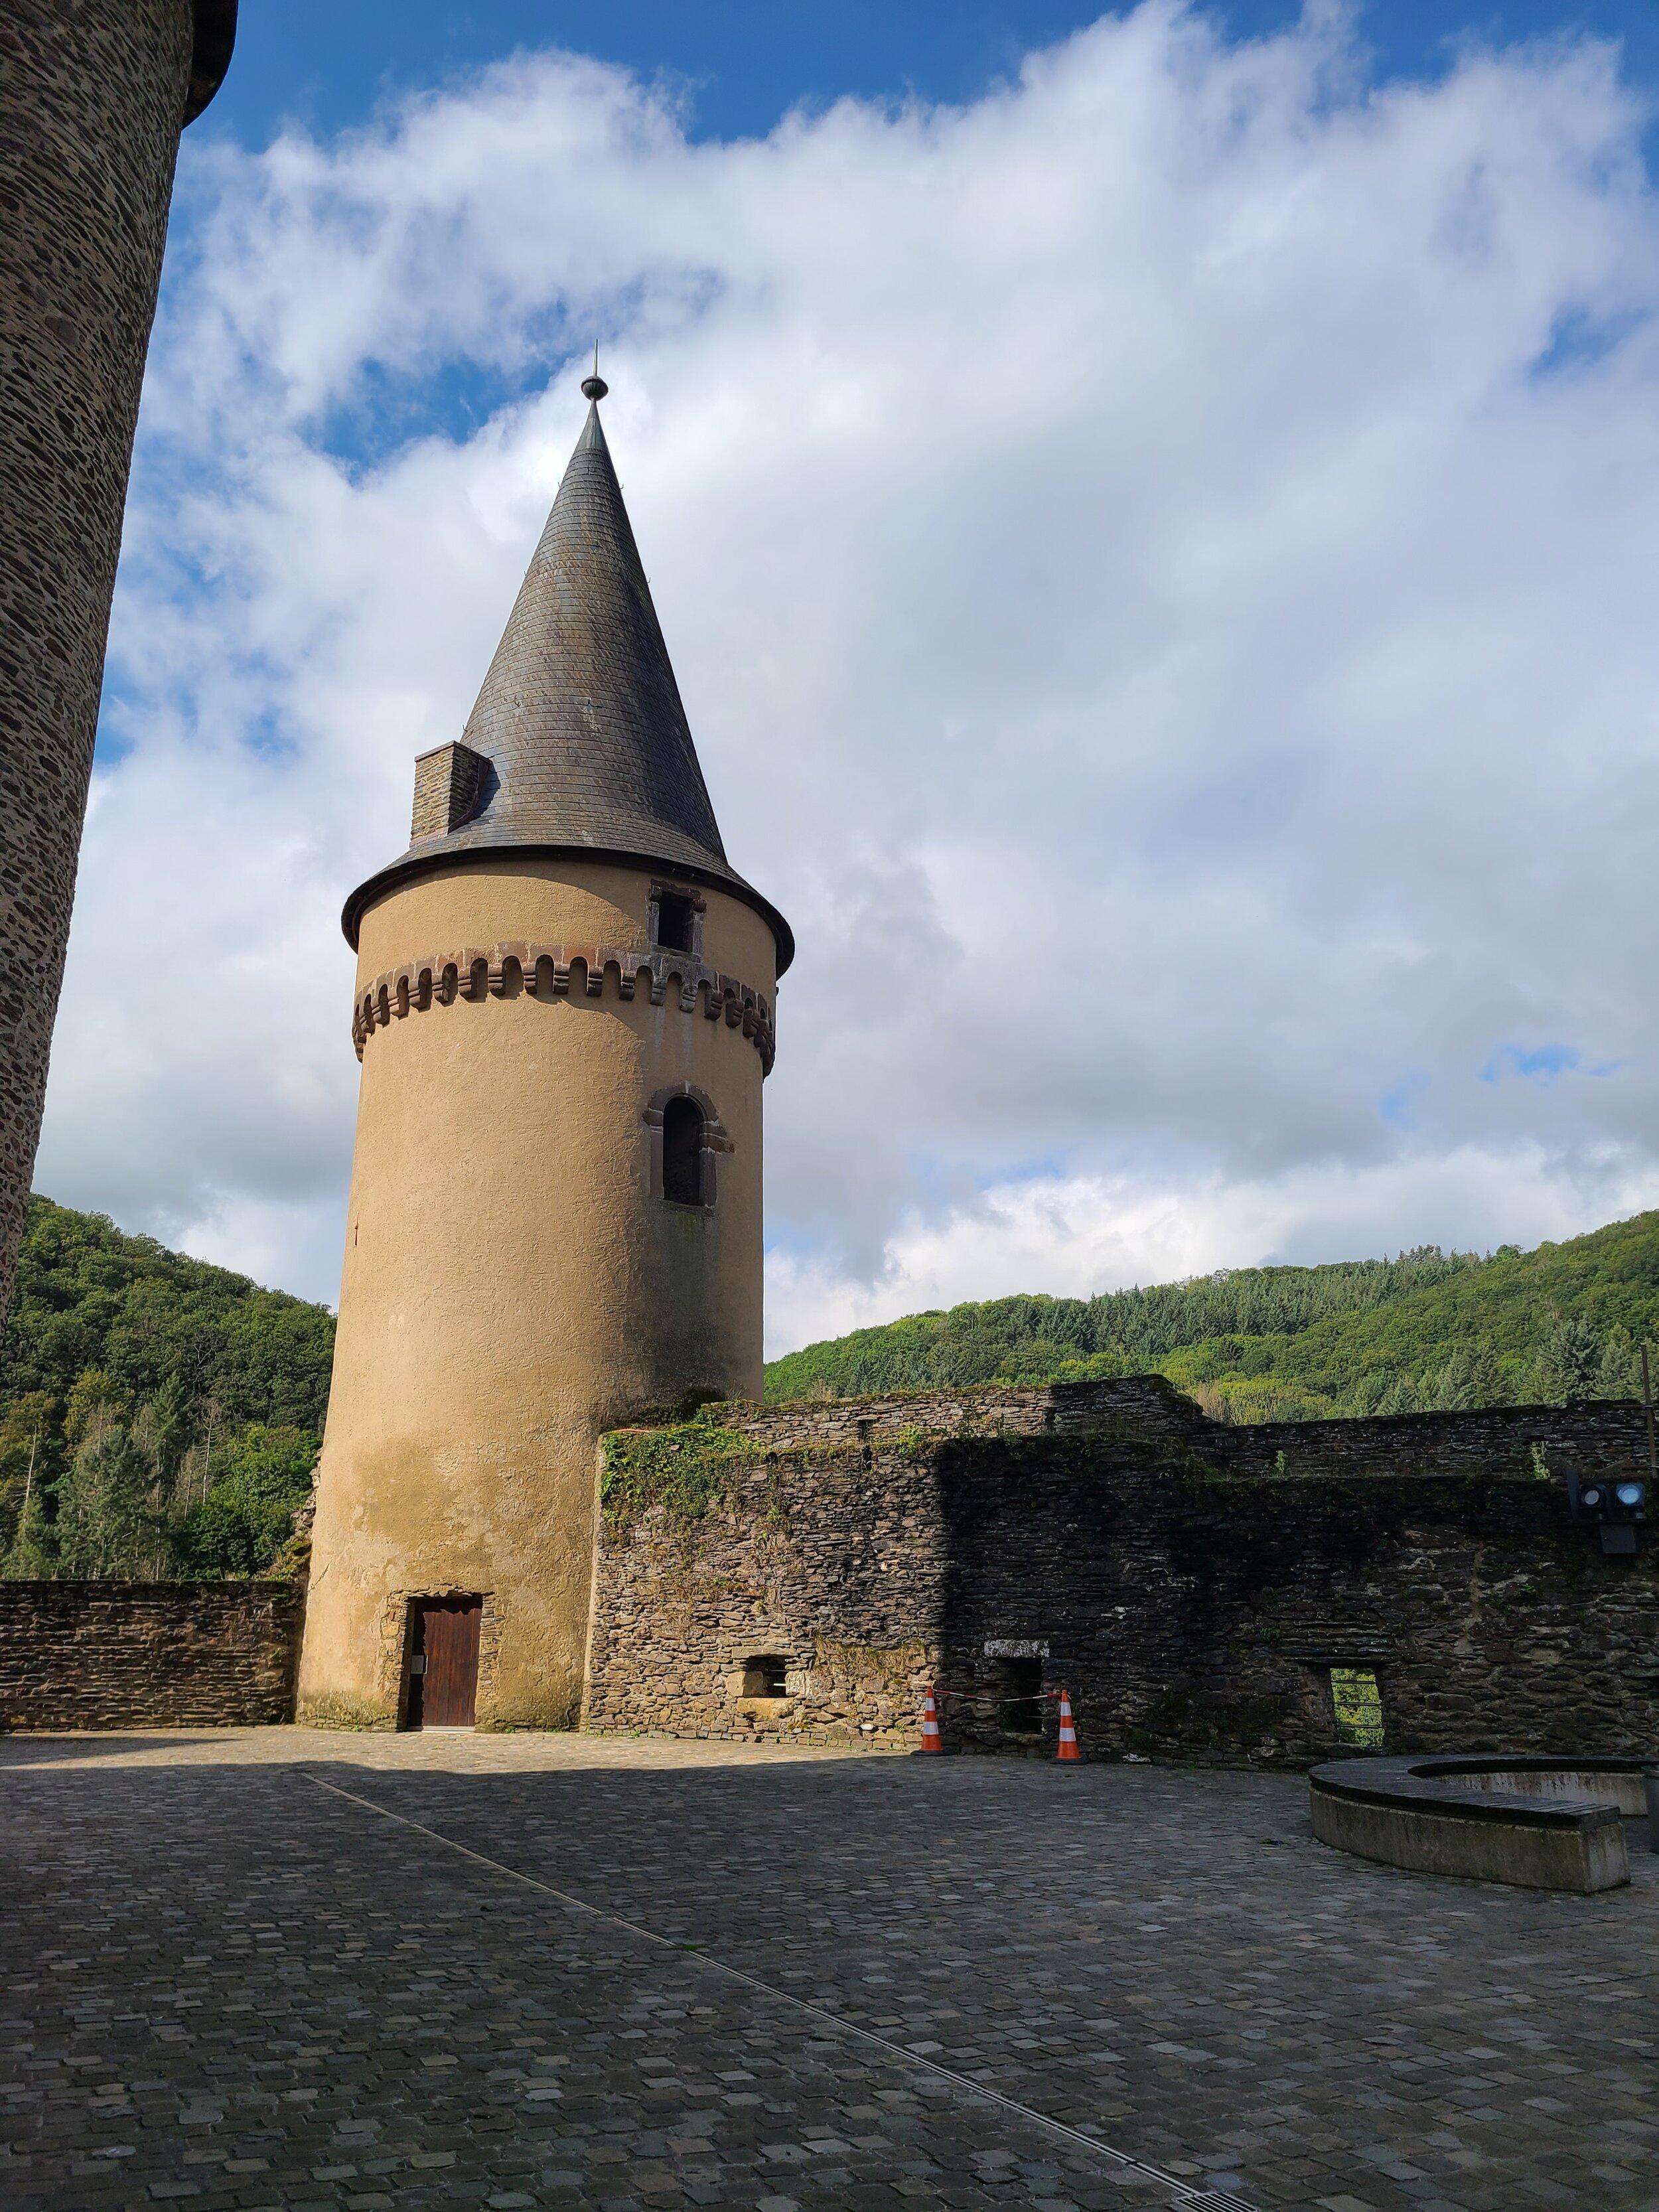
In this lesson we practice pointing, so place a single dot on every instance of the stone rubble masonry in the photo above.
(148, 1654)
(93, 96)
(1192, 1584)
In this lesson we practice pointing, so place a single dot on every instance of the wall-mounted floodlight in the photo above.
(1616, 1508)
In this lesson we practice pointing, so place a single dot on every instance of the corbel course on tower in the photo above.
(551, 971)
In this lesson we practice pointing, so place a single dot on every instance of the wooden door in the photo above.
(444, 1681)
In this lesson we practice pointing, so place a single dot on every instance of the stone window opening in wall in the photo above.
(685, 1137)
(674, 923)
(1357, 1702)
(681, 1152)
(764, 1676)
(1019, 1686)
(676, 919)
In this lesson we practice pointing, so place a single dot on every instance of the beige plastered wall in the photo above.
(512, 1287)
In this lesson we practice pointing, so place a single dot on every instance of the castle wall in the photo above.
(1190, 1592)
(511, 1286)
(92, 100)
(148, 1654)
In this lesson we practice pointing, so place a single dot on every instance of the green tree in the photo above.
(1569, 1361)
(23, 1427)
(1399, 1396)
(1451, 1389)
(90, 1297)
(162, 1429)
(1618, 1372)
(248, 1514)
(93, 1405)
(32, 1557)
(108, 1526)
(114, 1332)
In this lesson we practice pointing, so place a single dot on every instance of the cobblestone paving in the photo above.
(226, 1986)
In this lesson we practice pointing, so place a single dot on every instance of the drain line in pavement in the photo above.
(1192, 2199)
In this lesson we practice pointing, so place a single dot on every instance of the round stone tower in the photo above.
(564, 1014)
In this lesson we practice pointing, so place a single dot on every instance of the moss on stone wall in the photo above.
(686, 1468)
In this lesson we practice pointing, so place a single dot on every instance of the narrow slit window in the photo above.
(1357, 1703)
(674, 922)
(682, 1151)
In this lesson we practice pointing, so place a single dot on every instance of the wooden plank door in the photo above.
(445, 1685)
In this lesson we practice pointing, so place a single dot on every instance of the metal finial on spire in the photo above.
(594, 386)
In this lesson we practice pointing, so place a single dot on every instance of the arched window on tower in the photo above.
(685, 1136)
(682, 1151)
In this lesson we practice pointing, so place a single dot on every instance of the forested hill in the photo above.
(1430, 1330)
(158, 1416)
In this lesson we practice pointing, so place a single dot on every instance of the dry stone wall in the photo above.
(148, 1654)
(1192, 1585)
(1598, 1439)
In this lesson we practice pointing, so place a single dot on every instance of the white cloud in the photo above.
(1158, 564)
(1075, 1236)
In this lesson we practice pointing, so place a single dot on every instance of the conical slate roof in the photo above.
(580, 716)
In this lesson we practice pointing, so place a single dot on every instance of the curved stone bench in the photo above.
(1540, 1823)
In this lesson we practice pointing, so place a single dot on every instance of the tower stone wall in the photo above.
(514, 1283)
(93, 96)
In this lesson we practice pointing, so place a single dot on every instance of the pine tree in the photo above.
(106, 1525)
(23, 1433)
(32, 1557)
(1399, 1397)
(1619, 1375)
(162, 1429)
(1570, 1361)
(1452, 1390)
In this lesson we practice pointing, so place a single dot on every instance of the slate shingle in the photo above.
(580, 716)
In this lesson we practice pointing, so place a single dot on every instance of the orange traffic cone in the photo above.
(930, 1734)
(1067, 1731)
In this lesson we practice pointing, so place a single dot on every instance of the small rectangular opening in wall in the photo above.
(763, 1677)
(1357, 1703)
(1020, 1683)
(674, 912)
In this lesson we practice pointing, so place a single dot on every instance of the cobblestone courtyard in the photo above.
(229, 1984)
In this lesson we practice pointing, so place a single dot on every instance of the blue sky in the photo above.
(1158, 553)
(328, 63)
